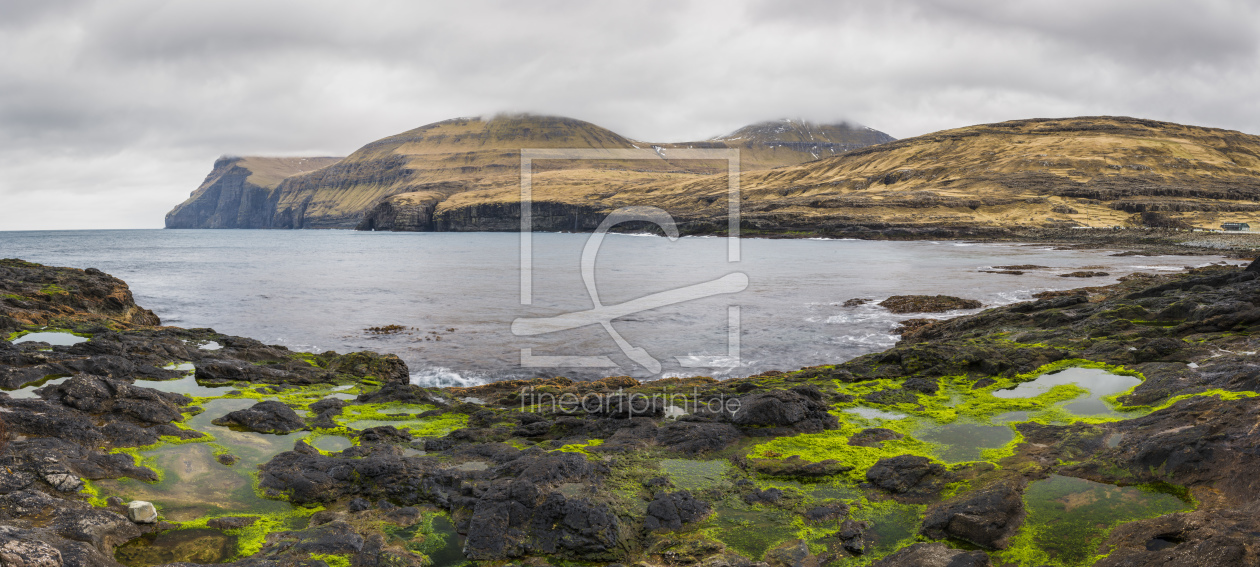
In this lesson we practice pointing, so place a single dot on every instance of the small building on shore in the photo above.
(1236, 227)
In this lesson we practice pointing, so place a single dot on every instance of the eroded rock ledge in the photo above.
(819, 466)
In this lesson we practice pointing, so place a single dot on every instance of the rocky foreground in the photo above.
(835, 465)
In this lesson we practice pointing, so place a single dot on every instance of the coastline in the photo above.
(620, 484)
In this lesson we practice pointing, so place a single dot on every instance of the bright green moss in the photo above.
(53, 289)
(332, 560)
(580, 448)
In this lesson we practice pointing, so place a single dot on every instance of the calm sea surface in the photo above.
(457, 294)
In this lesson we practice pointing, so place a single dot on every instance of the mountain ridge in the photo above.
(424, 166)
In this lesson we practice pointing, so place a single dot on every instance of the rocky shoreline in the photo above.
(928, 454)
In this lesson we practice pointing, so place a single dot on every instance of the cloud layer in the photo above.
(112, 111)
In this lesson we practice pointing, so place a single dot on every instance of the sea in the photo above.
(638, 305)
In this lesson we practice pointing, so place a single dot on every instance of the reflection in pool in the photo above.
(959, 442)
(1069, 517)
(1099, 382)
(52, 338)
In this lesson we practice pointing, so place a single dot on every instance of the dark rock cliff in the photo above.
(240, 192)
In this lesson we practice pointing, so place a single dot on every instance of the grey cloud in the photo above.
(129, 101)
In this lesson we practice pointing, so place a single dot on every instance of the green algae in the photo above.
(749, 530)
(962, 442)
(331, 443)
(198, 545)
(402, 416)
(696, 475)
(892, 525)
(434, 537)
(1068, 519)
(580, 447)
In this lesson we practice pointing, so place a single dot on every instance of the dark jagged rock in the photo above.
(1196, 442)
(933, 555)
(264, 417)
(1202, 537)
(852, 536)
(673, 510)
(697, 438)
(987, 517)
(927, 303)
(383, 434)
(770, 496)
(83, 535)
(827, 512)
(784, 408)
(907, 474)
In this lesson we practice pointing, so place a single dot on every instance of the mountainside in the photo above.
(1090, 171)
(240, 192)
(464, 175)
(398, 182)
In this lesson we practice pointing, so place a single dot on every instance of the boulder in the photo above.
(784, 408)
(671, 510)
(904, 473)
(24, 552)
(264, 417)
(901, 304)
(933, 555)
(987, 517)
(142, 512)
(873, 437)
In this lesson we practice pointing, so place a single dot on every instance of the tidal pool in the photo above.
(194, 485)
(748, 530)
(959, 442)
(872, 413)
(1099, 382)
(331, 443)
(52, 338)
(695, 475)
(1068, 518)
(186, 385)
(28, 389)
(178, 546)
(435, 537)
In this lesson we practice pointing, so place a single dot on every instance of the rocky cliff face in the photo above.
(240, 192)
(404, 182)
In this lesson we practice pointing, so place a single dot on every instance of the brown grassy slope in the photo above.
(1091, 171)
(471, 154)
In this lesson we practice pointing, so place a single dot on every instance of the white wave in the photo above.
(441, 377)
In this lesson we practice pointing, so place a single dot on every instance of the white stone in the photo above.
(142, 512)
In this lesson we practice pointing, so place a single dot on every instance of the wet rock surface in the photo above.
(627, 483)
(987, 517)
(927, 303)
(264, 417)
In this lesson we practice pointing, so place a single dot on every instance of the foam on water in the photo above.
(440, 377)
(336, 284)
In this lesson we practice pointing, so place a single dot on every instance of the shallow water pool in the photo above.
(52, 338)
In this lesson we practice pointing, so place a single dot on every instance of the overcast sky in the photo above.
(111, 112)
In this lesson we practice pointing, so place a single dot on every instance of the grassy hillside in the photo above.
(421, 168)
(464, 174)
(1090, 171)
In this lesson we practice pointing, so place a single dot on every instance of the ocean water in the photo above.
(456, 295)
